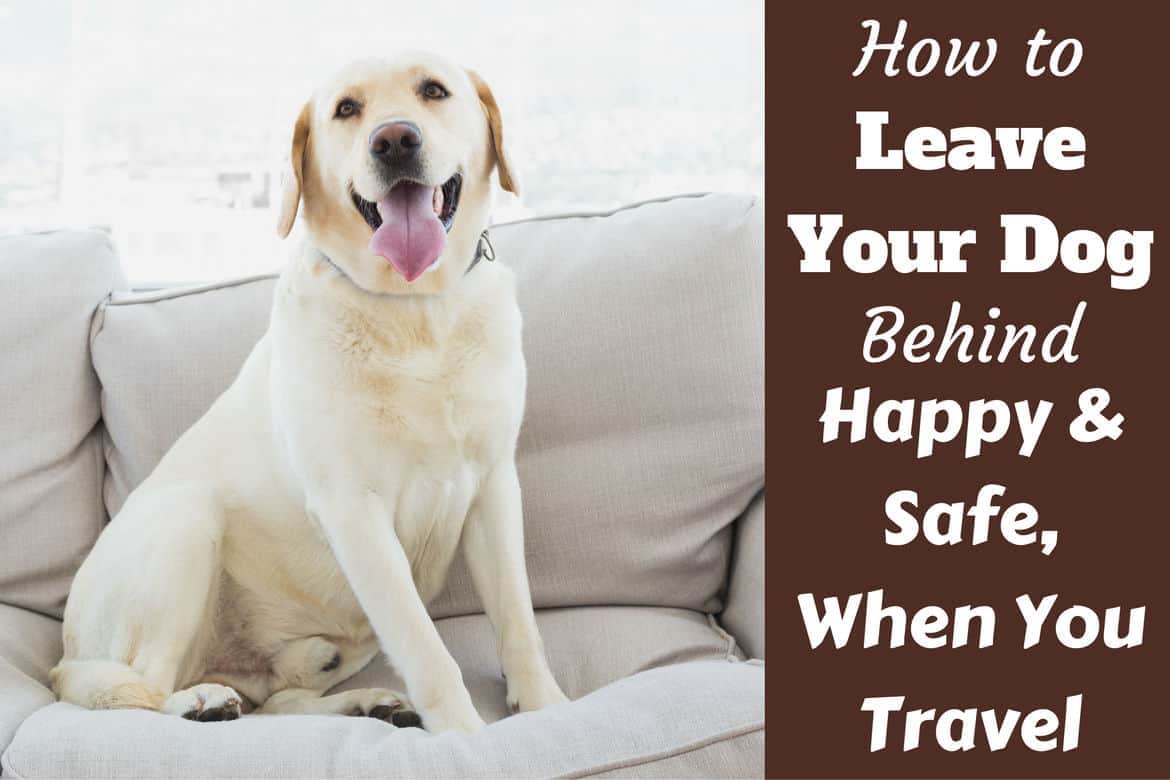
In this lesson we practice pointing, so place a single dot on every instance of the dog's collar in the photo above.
(483, 251)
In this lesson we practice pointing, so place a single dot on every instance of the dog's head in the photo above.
(393, 160)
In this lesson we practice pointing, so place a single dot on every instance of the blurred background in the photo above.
(168, 123)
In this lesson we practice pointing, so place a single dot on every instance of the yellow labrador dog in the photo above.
(312, 513)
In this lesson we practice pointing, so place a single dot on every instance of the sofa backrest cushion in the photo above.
(51, 285)
(643, 437)
(163, 358)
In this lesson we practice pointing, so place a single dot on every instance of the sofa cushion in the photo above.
(30, 645)
(589, 648)
(744, 615)
(643, 438)
(682, 714)
(51, 460)
(163, 358)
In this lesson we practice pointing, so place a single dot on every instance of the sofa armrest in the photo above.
(743, 616)
(30, 645)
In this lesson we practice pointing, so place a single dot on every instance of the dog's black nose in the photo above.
(395, 142)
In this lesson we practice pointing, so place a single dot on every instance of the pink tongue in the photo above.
(410, 237)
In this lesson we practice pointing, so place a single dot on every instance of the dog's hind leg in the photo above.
(141, 606)
(104, 685)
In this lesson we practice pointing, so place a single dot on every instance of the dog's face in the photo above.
(392, 160)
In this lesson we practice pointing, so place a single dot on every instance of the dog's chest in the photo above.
(447, 390)
(411, 402)
(390, 388)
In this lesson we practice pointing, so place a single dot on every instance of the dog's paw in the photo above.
(384, 705)
(465, 722)
(205, 703)
(530, 692)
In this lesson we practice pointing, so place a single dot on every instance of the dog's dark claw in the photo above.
(406, 719)
(213, 714)
(229, 711)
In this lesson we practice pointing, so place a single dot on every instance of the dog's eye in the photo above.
(346, 107)
(433, 90)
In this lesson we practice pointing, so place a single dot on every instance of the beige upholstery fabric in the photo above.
(702, 712)
(30, 645)
(587, 647)
(722, 755)
(163, 358)
(643, 439)
(661, 714)
(744, 615)
(51, 454)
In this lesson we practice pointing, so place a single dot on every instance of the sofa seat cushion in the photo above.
(30, 645)
(51, 460)
(643, 437)
(657, 692)
(587, 648)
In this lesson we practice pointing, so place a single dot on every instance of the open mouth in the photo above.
(444, 201)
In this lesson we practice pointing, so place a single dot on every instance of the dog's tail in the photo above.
(103, 685)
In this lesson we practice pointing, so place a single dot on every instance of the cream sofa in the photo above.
(641, 460)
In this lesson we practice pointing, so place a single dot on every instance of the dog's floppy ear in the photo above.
(496, 125)
(294, 175)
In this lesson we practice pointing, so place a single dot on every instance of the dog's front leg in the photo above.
(361, 534)
(493, 542)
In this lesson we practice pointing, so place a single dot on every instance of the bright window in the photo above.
(168, 123)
